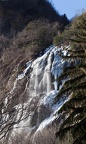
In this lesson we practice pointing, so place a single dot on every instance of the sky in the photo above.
(69, 7)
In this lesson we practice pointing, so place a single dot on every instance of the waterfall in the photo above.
(39, 110)
(44, 86)
(45, 71)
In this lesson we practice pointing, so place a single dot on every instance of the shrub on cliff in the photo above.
(36, 36)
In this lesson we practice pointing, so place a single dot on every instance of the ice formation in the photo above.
(42, 89)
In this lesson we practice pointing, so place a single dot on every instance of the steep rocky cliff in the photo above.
(29, 110)
(25, 30)
(42, 90)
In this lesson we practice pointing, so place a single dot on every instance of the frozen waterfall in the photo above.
(42, 88)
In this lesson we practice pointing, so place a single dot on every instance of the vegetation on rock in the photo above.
(75, 109)
(27, 27)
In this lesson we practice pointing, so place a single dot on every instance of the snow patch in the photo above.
(22, 75)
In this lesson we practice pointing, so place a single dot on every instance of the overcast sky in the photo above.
(69, 7)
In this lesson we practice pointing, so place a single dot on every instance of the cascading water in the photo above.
(41, 90)
(44, 86)
(45, 70)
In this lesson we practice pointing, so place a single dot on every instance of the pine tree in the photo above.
(75, 108)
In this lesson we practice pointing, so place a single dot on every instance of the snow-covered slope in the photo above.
(36, 108)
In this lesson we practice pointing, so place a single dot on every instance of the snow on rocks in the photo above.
(22, 75)
(43, 86)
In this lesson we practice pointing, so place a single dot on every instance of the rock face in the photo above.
(29, 110)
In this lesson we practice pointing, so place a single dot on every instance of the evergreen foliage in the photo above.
(75, 109)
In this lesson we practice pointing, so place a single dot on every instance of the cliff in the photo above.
(42, 86)
(29, 109)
